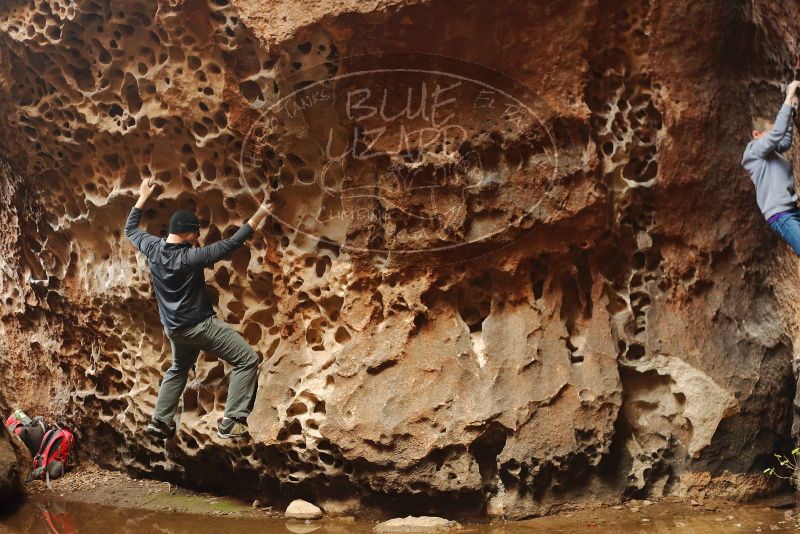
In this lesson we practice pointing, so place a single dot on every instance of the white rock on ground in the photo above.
(300, 509)
(416, 524)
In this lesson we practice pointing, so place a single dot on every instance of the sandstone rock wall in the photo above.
(589, 307)
(15, 462)
(10, 486)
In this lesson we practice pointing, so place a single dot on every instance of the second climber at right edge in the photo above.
(771, 170)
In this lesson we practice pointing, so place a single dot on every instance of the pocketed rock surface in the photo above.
(521, 273)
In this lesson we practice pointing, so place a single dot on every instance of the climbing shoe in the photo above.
(159, 430)
(228, 428)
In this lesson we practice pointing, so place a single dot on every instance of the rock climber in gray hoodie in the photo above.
(190, 324)
(771, 171)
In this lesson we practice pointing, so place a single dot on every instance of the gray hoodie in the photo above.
(772, 173)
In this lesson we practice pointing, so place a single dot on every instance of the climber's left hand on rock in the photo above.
(145, 190)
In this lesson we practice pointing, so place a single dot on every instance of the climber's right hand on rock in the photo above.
(791, 89)
(266, 204)
(263, 210)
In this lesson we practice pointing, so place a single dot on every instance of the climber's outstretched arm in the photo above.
(207, 256)
(786, 142)
(263, 210)
(772, 140)
(140, 239)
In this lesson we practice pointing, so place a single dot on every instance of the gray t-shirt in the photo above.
(177, 272)
(770, 171)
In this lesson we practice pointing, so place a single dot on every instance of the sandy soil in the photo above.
(92, 484)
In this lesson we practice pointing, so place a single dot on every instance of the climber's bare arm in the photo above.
(791, 93)
(262, 211)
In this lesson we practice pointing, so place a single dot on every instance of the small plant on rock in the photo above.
(787, 465)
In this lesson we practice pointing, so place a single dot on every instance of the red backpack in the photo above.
(30, 431)
(56, 454)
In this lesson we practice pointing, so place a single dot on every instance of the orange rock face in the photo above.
(513, 261)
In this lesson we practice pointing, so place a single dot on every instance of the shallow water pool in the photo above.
(51, 516)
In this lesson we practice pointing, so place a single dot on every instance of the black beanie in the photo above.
(183, 221)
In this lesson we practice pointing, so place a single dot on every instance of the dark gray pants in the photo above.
(219, 339)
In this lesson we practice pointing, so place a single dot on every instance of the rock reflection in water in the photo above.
(61, 517)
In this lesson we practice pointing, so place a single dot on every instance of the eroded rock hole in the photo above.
(474, 302)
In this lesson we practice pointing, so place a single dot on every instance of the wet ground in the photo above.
(55, 515)
(92, 500)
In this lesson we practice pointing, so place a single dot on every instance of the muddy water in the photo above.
(62, 517)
